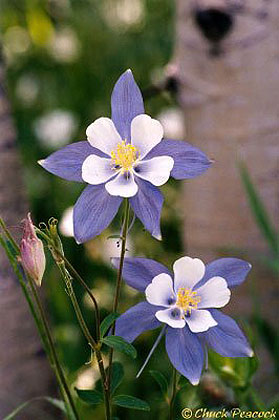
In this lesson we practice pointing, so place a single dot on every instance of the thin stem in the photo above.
(22, 282)
(93, 344)
(78, 277)
(104, 384)
(67, 271)
(255, 399)
(119, 279)
(39, 319)
(56, 364)
(173, 395)
(7, 233)
(58, 255)
(68, 283)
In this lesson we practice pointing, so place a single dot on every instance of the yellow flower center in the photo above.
(187, 300)
(124, 156)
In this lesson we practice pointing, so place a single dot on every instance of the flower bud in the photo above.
(32, 252)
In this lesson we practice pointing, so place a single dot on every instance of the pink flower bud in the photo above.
(32, 252)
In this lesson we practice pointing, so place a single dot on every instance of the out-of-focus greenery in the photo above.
(62, 59)
(262, 219)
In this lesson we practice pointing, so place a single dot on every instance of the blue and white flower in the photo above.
(186, 303)
(124, 157)
(125, 160)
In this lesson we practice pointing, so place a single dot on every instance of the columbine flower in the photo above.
(124, 157)
(186, 303)
(32, 253)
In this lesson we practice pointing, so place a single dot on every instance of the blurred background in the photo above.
(206, 69)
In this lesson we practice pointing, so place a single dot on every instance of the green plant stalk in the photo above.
(93, 344)
(63, 267)
(249, 398)
(173, 395)
(66, 269)
(78, 277)
(26, 293)
(56, 364)
(119, 280)
(9, 236)
(59, 257)
(255, 400)
(40, 321)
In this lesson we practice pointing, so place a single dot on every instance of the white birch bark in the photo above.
(24, 371)
(231, 112)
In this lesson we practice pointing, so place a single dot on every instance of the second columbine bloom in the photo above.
(186, 302)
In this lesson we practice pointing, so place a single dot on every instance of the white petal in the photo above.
(96, 170)
(160, 291)
(200, 320)
(172, 317)
(146, 133)
(187, 272)
(214, 293)
(156, 170)
(103, 135)
(123, 185)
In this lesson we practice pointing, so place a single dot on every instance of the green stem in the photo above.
(68, 283)
(56, 364)
(93, 344)
(249, 398)
(78, 277)
(25, 290)
(39, 319)
(256, 400)
(173, 395)
(59, 257)
(104, 384)
(67, 272)
(119, 279)
(9, 236)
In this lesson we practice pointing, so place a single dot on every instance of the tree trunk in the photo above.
(231, 112)
(229, 94)
(24, 371)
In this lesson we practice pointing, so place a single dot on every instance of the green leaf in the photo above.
(117, 376)
(90, 396)
(161, 380)
(107, 322)
(235, 372)
(260, 213)
(133, 403)
(272, 263)
(183, 382)
(270, 337)
(118, 343)
(57, 403)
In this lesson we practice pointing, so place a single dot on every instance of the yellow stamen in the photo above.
(124, 156)
(187, 300)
